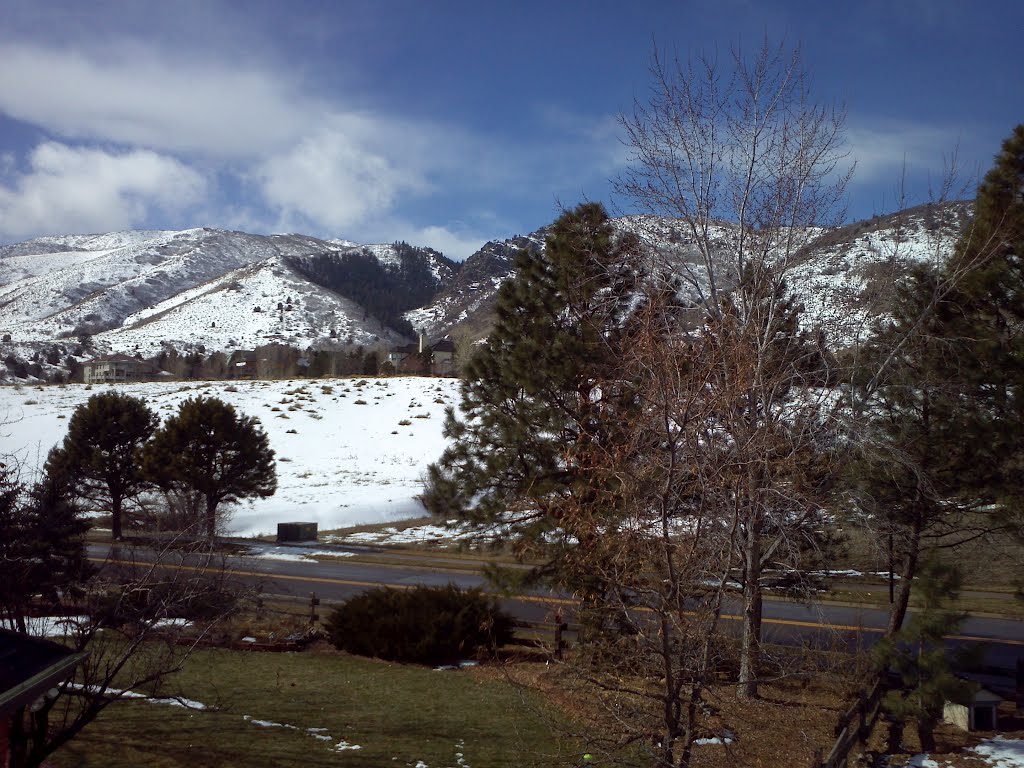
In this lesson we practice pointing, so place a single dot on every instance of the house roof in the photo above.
(29, 666)
(992, 688)
(444, 345)
(985, 695)
(117, 358)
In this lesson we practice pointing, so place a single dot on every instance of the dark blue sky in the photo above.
(442, 123)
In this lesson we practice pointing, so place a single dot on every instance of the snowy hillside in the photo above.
(469, 300)
(100, 281)
(263, 303)
(349, 451)
(847, 275)
(137, 291)
(842, 276)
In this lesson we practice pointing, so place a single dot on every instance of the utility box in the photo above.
(296, 532)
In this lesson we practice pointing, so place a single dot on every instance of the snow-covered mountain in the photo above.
(140, 292)
(843, 277)
(469, 299)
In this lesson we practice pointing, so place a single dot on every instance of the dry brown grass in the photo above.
(987, 563)
(951, 742)
(782, 728)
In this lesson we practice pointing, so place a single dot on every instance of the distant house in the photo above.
(443, 362)
(29, 667)
(424, 358)
(244, 365)
(116, 369)
(399, 356)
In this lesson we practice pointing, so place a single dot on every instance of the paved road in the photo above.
(787, 622)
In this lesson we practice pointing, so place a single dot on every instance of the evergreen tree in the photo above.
(99, 458)
(918, 656)
(210, 449)
(538, 396)
(942, 383)
(42, 548)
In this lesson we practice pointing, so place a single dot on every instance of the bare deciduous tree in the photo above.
(137, 619)
(661, 552)
(751, 167)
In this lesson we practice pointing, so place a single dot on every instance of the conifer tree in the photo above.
(538, 396)
(42, 548)
(99, 458)
(209, 448)
(943, 384)
(918, 656)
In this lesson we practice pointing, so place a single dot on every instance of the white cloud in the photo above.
(455, 244)
(314, 163)
(306, 159)
(336, 178)
(141, 96)
(73, 189)
(882, 149)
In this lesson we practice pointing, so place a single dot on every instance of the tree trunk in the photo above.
(17, 740)
(895, 737)
(211, 517)
(750, 650)
(116, 504)
(898, 610)
(926, 732)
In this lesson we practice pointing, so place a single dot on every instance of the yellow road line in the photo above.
(554, 601)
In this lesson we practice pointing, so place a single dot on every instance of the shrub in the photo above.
(423, 625)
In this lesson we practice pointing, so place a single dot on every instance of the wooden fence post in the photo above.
(560, 627)
(314, 601)
(862, 710)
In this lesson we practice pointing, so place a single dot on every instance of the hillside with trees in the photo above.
(385, 289)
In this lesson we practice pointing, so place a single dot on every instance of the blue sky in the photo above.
(442, 123)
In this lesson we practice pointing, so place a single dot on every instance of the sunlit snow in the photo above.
(349, 451)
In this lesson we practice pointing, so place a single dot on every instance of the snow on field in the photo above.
(349, 451)
(997, 752)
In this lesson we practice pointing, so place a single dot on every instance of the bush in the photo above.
(423, 625)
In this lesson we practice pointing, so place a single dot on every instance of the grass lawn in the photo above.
(398, 716)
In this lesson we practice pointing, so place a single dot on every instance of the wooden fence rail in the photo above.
(853, 727)
(538, 629)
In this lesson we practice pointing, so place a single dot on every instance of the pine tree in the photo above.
(942, 383)
(99, 458)
(988, 272)
(42, 548)
(918, 656)
(209, 448)
(538, 395)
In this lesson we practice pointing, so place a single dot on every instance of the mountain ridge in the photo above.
(143, 292)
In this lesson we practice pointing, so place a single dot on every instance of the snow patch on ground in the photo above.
(1002, 752)
(317, 733)
(419, 534)
(56, 626)
(173, 701)
(292, 554)
(349, 452)
(727, 738)
(997, 752)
